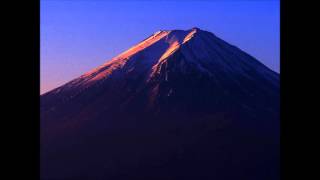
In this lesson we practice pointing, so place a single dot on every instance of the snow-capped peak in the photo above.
(157, 47)
(200, 49)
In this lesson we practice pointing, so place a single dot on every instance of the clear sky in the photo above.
(78, 35)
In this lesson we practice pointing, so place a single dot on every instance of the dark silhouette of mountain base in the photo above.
(178, 105)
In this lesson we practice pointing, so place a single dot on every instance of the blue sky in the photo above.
(78, 35)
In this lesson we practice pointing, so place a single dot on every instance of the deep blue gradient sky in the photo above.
(78, 35)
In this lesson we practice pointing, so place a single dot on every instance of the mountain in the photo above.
(178, 105)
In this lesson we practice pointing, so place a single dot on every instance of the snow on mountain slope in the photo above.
(154, 49)
(205, 51)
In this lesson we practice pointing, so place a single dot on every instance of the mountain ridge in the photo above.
(122, 58)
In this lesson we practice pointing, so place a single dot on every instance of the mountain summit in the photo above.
(178, 105)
